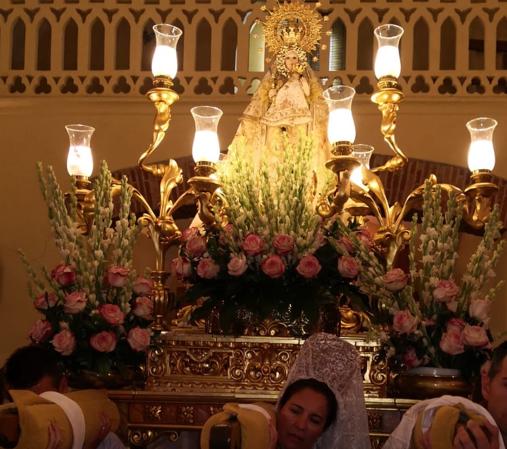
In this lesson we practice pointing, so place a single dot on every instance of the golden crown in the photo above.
(292, 23)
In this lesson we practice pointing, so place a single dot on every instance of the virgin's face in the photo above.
(291, 60)
(302, 419)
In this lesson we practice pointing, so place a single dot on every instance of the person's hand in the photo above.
(476, 436)
(105, 428)
(54, 436)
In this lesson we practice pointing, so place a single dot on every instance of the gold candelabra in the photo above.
(367, 194)
(358, 191)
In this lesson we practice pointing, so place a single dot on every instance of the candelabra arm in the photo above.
(388, 98)
(162, 97)
(171, 178)
(479, 199)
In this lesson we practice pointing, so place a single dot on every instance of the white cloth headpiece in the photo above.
(402, 435)
(74, 414)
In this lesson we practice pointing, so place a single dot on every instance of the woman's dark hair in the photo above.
(319, 387)
(29, 364)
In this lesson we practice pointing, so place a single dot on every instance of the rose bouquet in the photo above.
(430, 315)
(270, 257)
(95, 311)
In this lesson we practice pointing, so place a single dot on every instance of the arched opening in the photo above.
(448, 45)
(229, 45)
(365, 45)
(421, 46)
(501, 45)
(476, 45)
(203, 50)
(97, 36)
(148, 45)
(70, 40)
(18, 46)
(256, 48)
(338, 46)
(181, 44)
(44, 46)
(123, 45)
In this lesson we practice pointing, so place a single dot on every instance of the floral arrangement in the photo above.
(428, 315)
(271, 258)
(95, 311)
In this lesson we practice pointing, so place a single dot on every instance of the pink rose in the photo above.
(181, 267)
(226, 234)
(273, 266)
(75, 302)
(117, 276)
(196, 246)
(395, 279)
(452, 341)
(404, 322)
(144, 307)
(139, 338)
(207, 268)
(308, 267)
(104, 341)
(112, 314)
(142, 286)
(64, 342)
(40, 331)
(445, 291)
(410, 359)
(347, 244)
(480, 309)
(475, 336)
(455, 325)
(64, 275)
(283, 244)
(348, 267)
(188, 233)
(237, 265)
(252, 245)
(45, 301)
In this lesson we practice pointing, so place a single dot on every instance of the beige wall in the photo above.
(32, 129)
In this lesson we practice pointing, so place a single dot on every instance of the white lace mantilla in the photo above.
(330, 360)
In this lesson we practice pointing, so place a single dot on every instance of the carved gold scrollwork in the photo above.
(377, 441)
(141, 437)
(378, 370)
(199, 362)
(156, 365)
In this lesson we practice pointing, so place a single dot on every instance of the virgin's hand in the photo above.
(54, 436)
(476, 436)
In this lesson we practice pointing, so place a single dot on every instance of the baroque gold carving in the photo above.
(156, 366)
(187, 413)
(155, 412)
(141, 437)
(204, 363)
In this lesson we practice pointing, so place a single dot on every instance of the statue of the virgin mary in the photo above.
(289, 98)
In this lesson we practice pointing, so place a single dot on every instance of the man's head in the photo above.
(494, 387)
(34, 368)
